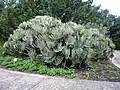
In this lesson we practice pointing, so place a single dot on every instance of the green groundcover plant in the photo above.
(53, 42)
(27, 65)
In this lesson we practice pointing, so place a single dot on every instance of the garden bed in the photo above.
(101, 71)
(32, 66)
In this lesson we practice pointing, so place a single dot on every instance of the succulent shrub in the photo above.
(57, 43)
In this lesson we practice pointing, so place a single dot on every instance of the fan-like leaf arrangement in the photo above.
(57, 43)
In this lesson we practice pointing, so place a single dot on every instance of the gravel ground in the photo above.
(13, 80)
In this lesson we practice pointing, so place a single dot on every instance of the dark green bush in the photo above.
(117, 43)
(2, 49)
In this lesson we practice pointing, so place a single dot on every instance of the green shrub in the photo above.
(2, 49)
(117, 43)
(57, 43)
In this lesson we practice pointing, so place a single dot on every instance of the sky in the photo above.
(112, 5)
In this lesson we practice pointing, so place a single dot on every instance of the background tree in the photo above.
(14, 12)
(115, 32)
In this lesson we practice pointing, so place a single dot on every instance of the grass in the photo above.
(32, 66)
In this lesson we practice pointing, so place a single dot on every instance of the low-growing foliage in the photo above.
(57, 43)
(32, 66)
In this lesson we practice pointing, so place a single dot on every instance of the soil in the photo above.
(102, 71)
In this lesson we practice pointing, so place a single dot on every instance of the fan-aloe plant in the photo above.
(59, 43)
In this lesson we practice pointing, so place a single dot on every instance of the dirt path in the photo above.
(12, 80)
(116, 59)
